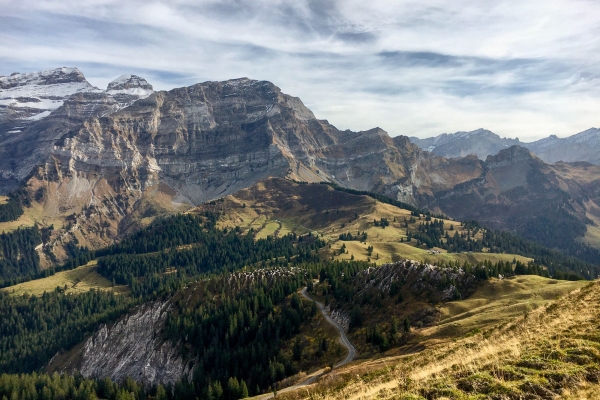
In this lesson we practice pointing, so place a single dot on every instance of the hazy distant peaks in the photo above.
(584, 146)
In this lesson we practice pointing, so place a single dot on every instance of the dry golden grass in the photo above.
(549, 348)
(266, 209)
(3, 199)
(78, 280)
(498, 301)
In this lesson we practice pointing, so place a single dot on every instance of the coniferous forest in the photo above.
(234, 326)
(13, 208)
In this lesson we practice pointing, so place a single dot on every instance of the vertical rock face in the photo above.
(134, 346)
(211, 139)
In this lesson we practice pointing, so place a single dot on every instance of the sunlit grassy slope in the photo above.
(525, 337)
(78, 280)
(276, 207)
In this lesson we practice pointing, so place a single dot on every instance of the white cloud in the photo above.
(526, 69)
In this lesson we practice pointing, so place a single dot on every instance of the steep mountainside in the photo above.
(518, 191)
(37, 109)
(198, 143)
(134, 346)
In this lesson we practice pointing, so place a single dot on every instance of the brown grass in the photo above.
(281, 206)
(552, 348)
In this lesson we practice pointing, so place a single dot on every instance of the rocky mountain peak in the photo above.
(54, 76)
(510, 156)
(26, 98)
(127, 89)
(480, 142)
(126, 82)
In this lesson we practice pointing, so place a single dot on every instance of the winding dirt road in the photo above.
(343, 340)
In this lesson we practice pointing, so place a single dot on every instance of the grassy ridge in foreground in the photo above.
(514, 343)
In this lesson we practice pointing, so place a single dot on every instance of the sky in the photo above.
(524, 69)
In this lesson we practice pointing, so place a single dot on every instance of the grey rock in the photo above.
(134, 346)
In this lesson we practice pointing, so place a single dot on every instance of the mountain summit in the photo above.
(32, 96)
(127, 82)
(128, 88)
(583, 146)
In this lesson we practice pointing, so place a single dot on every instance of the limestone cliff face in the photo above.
(105, 168)
(134, 346)
(211, 139)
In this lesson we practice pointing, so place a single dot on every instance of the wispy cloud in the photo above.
(524, 69)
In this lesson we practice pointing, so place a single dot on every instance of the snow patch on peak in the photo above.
(127, 89)
(121, 79)
(32, 96)
(127, 82)
(48, 77)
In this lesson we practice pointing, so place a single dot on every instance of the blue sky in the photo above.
(523, 69)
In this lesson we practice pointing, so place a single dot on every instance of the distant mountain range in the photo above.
(584, 146)
(103, 163)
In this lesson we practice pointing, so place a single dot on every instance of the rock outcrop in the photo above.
(134, 346)
(440, 284)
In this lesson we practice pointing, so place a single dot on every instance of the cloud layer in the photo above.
(526, 69)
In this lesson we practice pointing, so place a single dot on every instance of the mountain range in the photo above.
(583, 146)
(100, 164)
